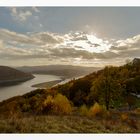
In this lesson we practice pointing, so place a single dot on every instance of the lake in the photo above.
(24, 87)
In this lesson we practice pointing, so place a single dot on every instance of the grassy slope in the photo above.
(67, 124)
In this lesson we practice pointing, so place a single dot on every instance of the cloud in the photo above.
(47, 38)
(1, 44)
(20, 14)
(74, 47)
(129, 47)
(43, 38)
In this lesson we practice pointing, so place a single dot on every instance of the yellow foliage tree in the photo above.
(59, 104)
(62, 104)
(96, 109)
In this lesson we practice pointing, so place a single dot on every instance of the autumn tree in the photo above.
(106, 89)
(79, 91)
(133, 85)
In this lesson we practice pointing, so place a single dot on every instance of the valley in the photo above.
(101, 101)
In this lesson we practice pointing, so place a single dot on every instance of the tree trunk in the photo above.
(107, 94)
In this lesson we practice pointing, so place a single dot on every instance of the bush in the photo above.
(26, 107)
(48, 105)
(58, 104)
(62, 104)
(124, 117)
(83, 110)
(137, 110)
(96, 110)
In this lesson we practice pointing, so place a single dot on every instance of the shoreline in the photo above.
(48, 84)
(6, 83)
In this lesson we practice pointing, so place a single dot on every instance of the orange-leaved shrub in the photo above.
(48, 105)
(58, 104)
(96, 110)
(124, 117)
(137, 110)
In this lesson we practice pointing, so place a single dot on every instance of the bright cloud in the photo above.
(72, 48)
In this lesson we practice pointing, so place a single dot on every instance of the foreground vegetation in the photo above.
(115, 123)
(58, 115)
(103, 101)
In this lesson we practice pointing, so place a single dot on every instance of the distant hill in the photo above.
(60, 70)
(10, 76)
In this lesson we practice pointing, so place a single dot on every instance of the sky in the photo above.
(85, 36)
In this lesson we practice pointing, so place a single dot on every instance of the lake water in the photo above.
(22, 88)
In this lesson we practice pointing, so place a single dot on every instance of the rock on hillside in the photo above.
(136, 61)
